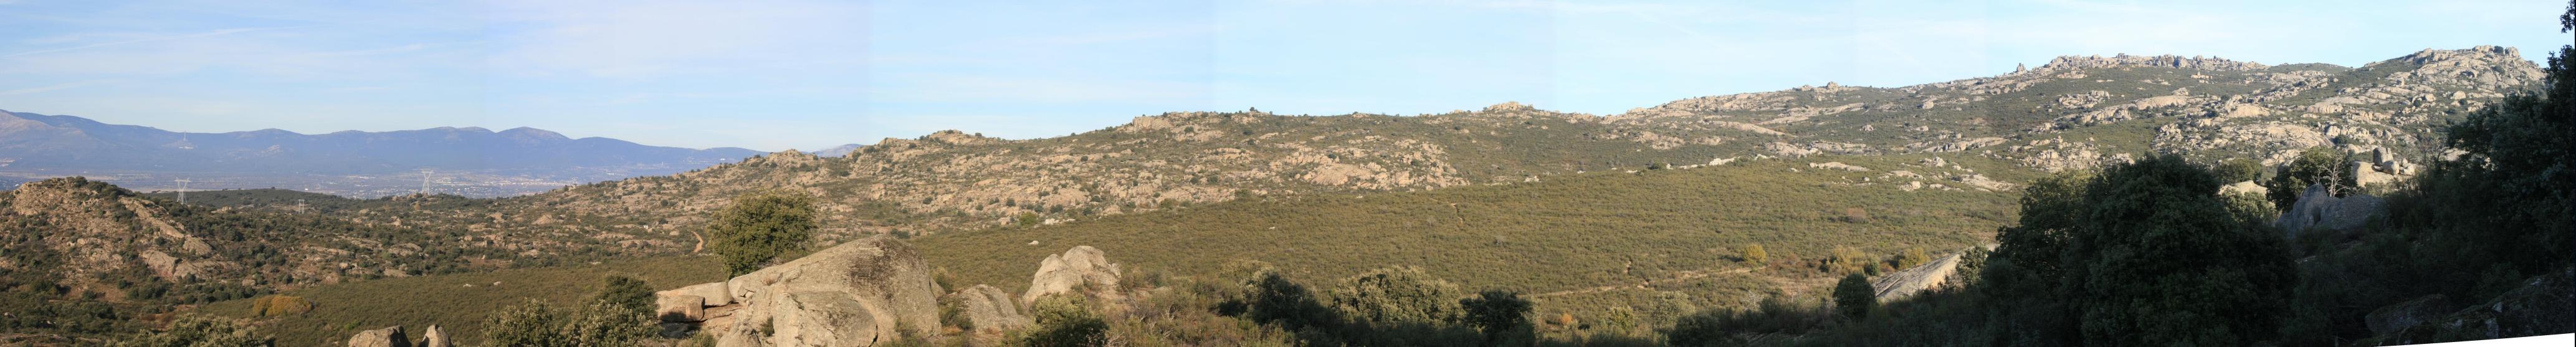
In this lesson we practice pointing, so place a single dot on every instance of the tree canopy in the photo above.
(760, 226)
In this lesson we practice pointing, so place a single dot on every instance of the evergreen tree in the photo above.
(1853, 297)
(2149, 266)
(2312, 166)
(1498, 313)
(760, 226)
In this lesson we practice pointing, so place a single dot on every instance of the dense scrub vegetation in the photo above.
(460, 303)
(2147, 254)
(55, 288)
(1652, 245)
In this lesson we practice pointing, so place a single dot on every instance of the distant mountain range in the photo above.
(32, 142)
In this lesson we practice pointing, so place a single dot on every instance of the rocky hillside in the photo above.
(2071, 113)
(82, 236)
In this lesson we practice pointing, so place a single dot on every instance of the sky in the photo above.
(776, 75)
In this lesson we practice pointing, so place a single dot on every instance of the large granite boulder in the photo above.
(680, 308)
(861, 293)
(1076, 269)
(987, 309)
(2246, 187)
(714, 293)
(387, 337)
(2318, 209)
(433, 337)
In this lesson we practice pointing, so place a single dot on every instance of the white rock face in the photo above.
(859, 293)
(1068, 272)
(433, 337)
(714, 293)
(2318, 209)
(2246, 187)
(387, 337)
(680, 308)
(988, 308)
(1837, 166)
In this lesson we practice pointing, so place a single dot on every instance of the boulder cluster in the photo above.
(393, 336)
(2319, 208)
(868, 292)
(865, 293)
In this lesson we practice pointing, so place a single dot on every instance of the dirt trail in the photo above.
(1643, 285)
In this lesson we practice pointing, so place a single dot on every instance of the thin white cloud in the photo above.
(149, 39)
(76, 84)
(659, 38)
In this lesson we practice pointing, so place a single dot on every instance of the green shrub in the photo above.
(1397, 295)
(1065, 321)
(760, 226)
(593, 323)
(2235, 170)
(2312, 166)
(1500, 314)
(1853, 297)
(626, 292)
(1847, 260)
(1754, 253)
(197, 331)
(280, 305)
(1727, 327)
(1912, 257)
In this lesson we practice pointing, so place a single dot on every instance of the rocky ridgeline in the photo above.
(96, 231)
(2077, 63)
(868, 292)
(2069, 114)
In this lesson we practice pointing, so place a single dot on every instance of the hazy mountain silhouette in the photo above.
(30, 141)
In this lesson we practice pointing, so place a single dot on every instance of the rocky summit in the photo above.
(2070, 113)
(1989, 135)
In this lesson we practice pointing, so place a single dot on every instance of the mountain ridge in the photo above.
(2074, 113)
(484, 162)
(1867, 159)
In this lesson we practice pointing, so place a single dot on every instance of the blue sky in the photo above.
(774, 75)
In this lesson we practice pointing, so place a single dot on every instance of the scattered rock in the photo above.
(387, 337)
(1076, 268)
(433, 337)
(2319, 209)
(987, 308)
(1837, 166)
(2246, 187)
(1981, 182)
